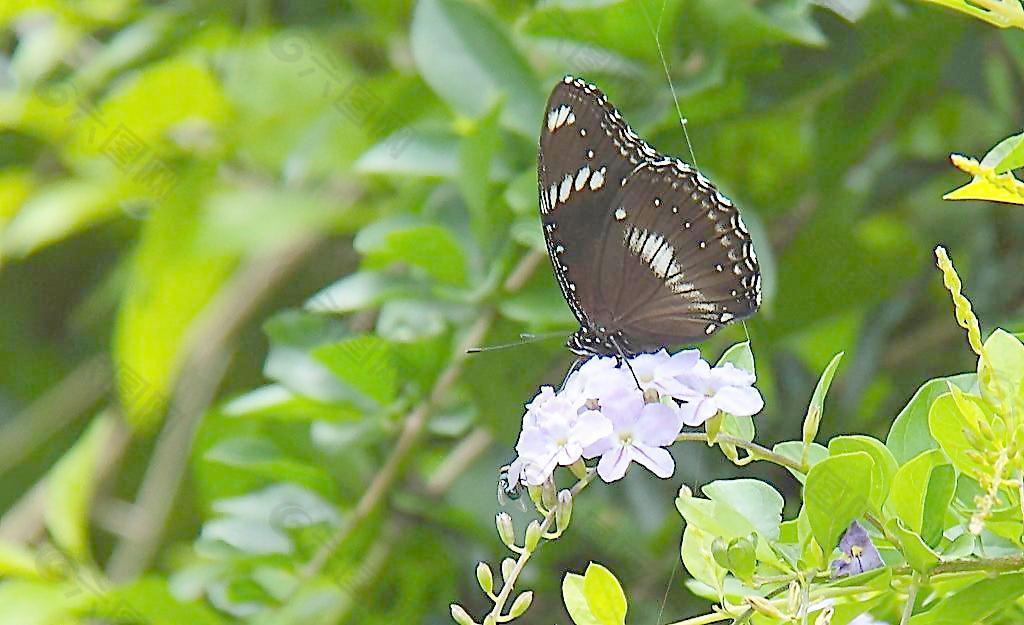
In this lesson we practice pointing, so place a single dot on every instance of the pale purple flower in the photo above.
(660, 371)
(859, 554)
(725, 388)
(554, 433)
(640, 431)
(596, 378)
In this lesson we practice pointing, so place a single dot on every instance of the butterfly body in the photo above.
(647, 252)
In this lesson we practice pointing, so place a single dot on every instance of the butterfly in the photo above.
(647, 252)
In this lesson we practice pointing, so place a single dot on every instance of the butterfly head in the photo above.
(599, 341)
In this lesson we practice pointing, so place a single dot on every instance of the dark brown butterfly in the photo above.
(647, 252)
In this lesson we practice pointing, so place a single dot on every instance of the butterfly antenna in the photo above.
(524, 338)
(668, 76)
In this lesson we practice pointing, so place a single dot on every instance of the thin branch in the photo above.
(208, 339)
(758, 452)
(53, 411)
(414, 423)
(458, 460)
(509, 584)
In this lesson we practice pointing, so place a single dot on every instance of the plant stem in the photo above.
(908, 609)
(508, 584)
(757, 451)
(390, 471)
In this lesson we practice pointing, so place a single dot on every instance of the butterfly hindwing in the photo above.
(646, 251)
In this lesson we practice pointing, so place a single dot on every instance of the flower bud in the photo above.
(720, 552)
(579, 469)
(765, 607)
(461, 616)
(506, 569)
(793, 597)
(825, 618)
(684, 492)
(548, 495)
(532, 536)
(490, 619)
(563, 510)
(521, 604)
(535, 495)
(485, 577)
(505, 530)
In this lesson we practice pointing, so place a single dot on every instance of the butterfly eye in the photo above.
(659, 259)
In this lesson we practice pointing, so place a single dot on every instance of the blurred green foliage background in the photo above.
(243, 246)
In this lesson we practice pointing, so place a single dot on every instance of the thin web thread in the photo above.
(668, 76)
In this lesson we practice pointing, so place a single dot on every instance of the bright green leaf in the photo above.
(605, 598)
(921, 491)
(469, 61)
(884, 464)
(909, 433)
(70, 486)
(918, 554)
(576, 601)
(836, 493)
(364, 363)
(974, 603)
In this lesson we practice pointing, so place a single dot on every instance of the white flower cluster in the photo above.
(601, 412)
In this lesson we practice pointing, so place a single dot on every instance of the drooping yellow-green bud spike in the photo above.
(962, 306)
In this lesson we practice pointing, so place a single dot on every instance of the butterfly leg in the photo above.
(625, 361)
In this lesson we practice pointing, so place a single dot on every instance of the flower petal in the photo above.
(590, 427)
(742, 401)
(658, 425)
(614, 463)
(696, 413)
(657, 459)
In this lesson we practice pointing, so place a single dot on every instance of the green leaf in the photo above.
(261, 457)
(909, 434)
(361, 290)
(576, 601)
(921, 492)
(149, 600)
(413, 152)
(1004, 358)
(57, 211)
(470, 62)
(37, 603)
(279, 403)
(476, 154)
(605, 598)
(70, 486)
(794, 450)
(1006, 155)
(364, 363)
(740, 355)
(814, 410)
(836, 493)
(431, 248)
(884, 468)
(698, 558)
(18, 561)
(754, 500)
(918, 554)
(170, 282)
(974, 603)
(948, 424)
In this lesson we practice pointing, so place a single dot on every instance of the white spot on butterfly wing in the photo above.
(597, 179)
(581, 178)
(620, 213)
(563, 190)
(563, 114)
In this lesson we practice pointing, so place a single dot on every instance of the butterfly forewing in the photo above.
(647, 252)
